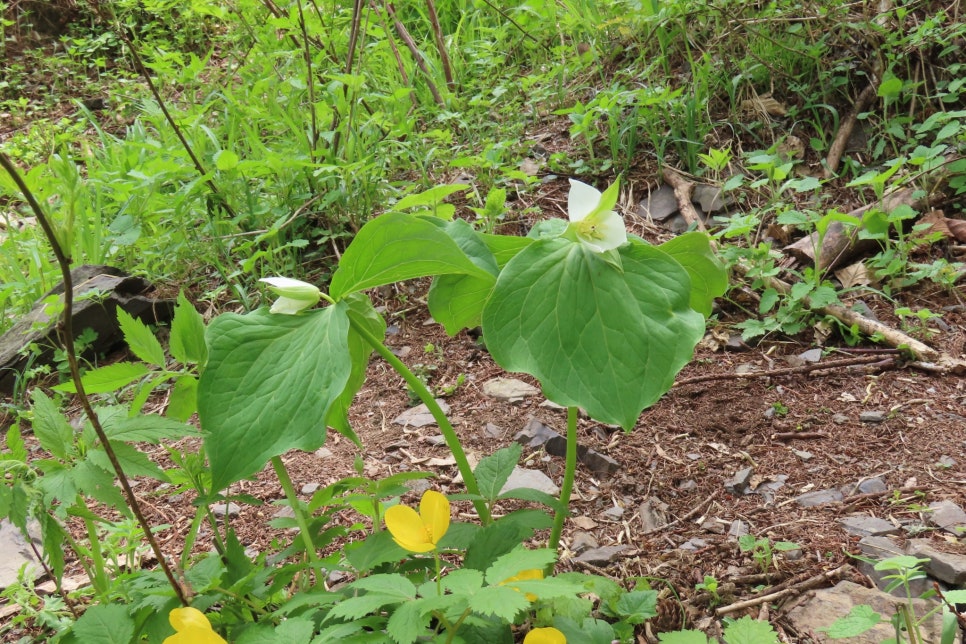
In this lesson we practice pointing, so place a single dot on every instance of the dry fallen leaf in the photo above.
(763, 105)
(856, 274)
(584, 523)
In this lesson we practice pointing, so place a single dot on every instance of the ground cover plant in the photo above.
(338, 151)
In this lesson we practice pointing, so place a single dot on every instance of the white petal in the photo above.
(297, 289)
(581, 200)
(609, 234)
(288, 306)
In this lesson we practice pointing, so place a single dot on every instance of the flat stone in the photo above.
(492, 431)
(688, 485)
(549, 404)
(737, 529)
(826, 605)
(420, 416)
(876, 549)
(599, 464)
(509, 389)
(16, 553)
(653, 513)
(945, 566)
(947, 516)
(323, 452)
(222, 509)
(583, 541)
(613, 513)
(740, 483)
(534, 479)
(805, 455)
(946, 461)
(310, 488)
(875, 416)
(812, 355)
(865, 486)
(418, 485)
(693, 544)
(436, 440)
(601, 556)
(711, 198)
(284, 512)
(862, 525)
(659, 205)
(535, 434)
(819, 497)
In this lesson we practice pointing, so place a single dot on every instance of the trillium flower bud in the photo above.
(294, 295)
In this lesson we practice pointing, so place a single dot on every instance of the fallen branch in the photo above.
(817, 366)
(837, 148)
(789, 436)
(772, 594)
(682, 190)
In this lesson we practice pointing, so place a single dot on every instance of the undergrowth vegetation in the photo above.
(209, 145)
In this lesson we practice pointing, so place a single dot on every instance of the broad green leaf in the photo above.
(499, 601)
(107, 379)
(588, 631)
(226, 160)
(518, 560)
(361, 314)
(148, 428)
(534, 496)
(608, 342)
(494, 470)
(140, 339)
(269, 385)
(378, 548)
(387, 584)
(890, 87)
(293, 629)
(549, 588)
(750, 631)
(457, 301)
(50, 427)
(683, 637)
(709, 279)
(493, 541)
(395, 247)
(506, 247)
(183, 401)
(637, 606)
(105, 624)
(463, 581)
(188, 334)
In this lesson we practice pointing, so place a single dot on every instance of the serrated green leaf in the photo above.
(409, 621)
(356, 607)
(683, 637)
(145, 428)
(430, 197)
(750, 631)
(108, 378)
(389, 584)
(133, 462)
(499, 601)
(518, 560)
(293, 629)
(268, 386)
(859, 620)
(50, 427)
(226, 160)
(140, 339)
(396, 247)
(187, 342)
(463, 581)
(495, 540)
(493, 471)
(607, 342)
(637, 606)
(183, 401)
(709, 279)
(105, 624)
(378, 548)
(98, 484)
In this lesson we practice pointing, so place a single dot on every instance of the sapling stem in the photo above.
(570, 470)
(425, 395)
(296, 505)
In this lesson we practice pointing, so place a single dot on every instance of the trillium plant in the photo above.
(601, 318)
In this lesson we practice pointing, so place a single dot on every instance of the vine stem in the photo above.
(296, 506)
(570, 471)
(425, 395)
(67, 337)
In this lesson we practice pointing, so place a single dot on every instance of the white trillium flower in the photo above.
(294, 295)
(598, 227)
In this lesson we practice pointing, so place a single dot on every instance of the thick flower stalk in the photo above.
(294, 295)
(548, 635)
(191, 627)
(592, 218)
(419, 532)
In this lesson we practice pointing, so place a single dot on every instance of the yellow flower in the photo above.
(419, 532)
(525, 575)
(547, 635)
(191, 627)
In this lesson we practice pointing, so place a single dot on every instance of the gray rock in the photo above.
(947, 516)
(944, 566)
(693, 544)
(737, 530)
(535, 434)
(613, 513)
(535, 479)
(492, 431)
(826, 605)
(819, 497)
(862, 525)
(876, 549)
(310, 488)
(946, 461)
(222, 509)
(653, 513)
(714, 526)
(768, 489)
(688, 485)
(865, 486)
(812, 355)
(601, 556)
(875, 416)
(436, 440)
(16, 553)
(840, 419)
(509, 389)
(711, 198)
(803, 454)
(599, 464)
(549, 404)
(740, 483)
(420, 416)
(659, 205)
(323, 452)
(583, 541)
(418, 485)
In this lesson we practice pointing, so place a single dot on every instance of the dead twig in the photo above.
(838, 146)
(682, 190)
(771, 594)
(789, 436)
(806, 368)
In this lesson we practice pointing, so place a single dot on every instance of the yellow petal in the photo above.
(545, 636)
(192, 627)
(407, 529)
(187, 617)
(434, 511)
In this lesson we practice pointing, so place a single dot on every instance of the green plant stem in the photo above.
(99, 580)
(297, 508)
(67, 337)
(570, 470)
(420, 389)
